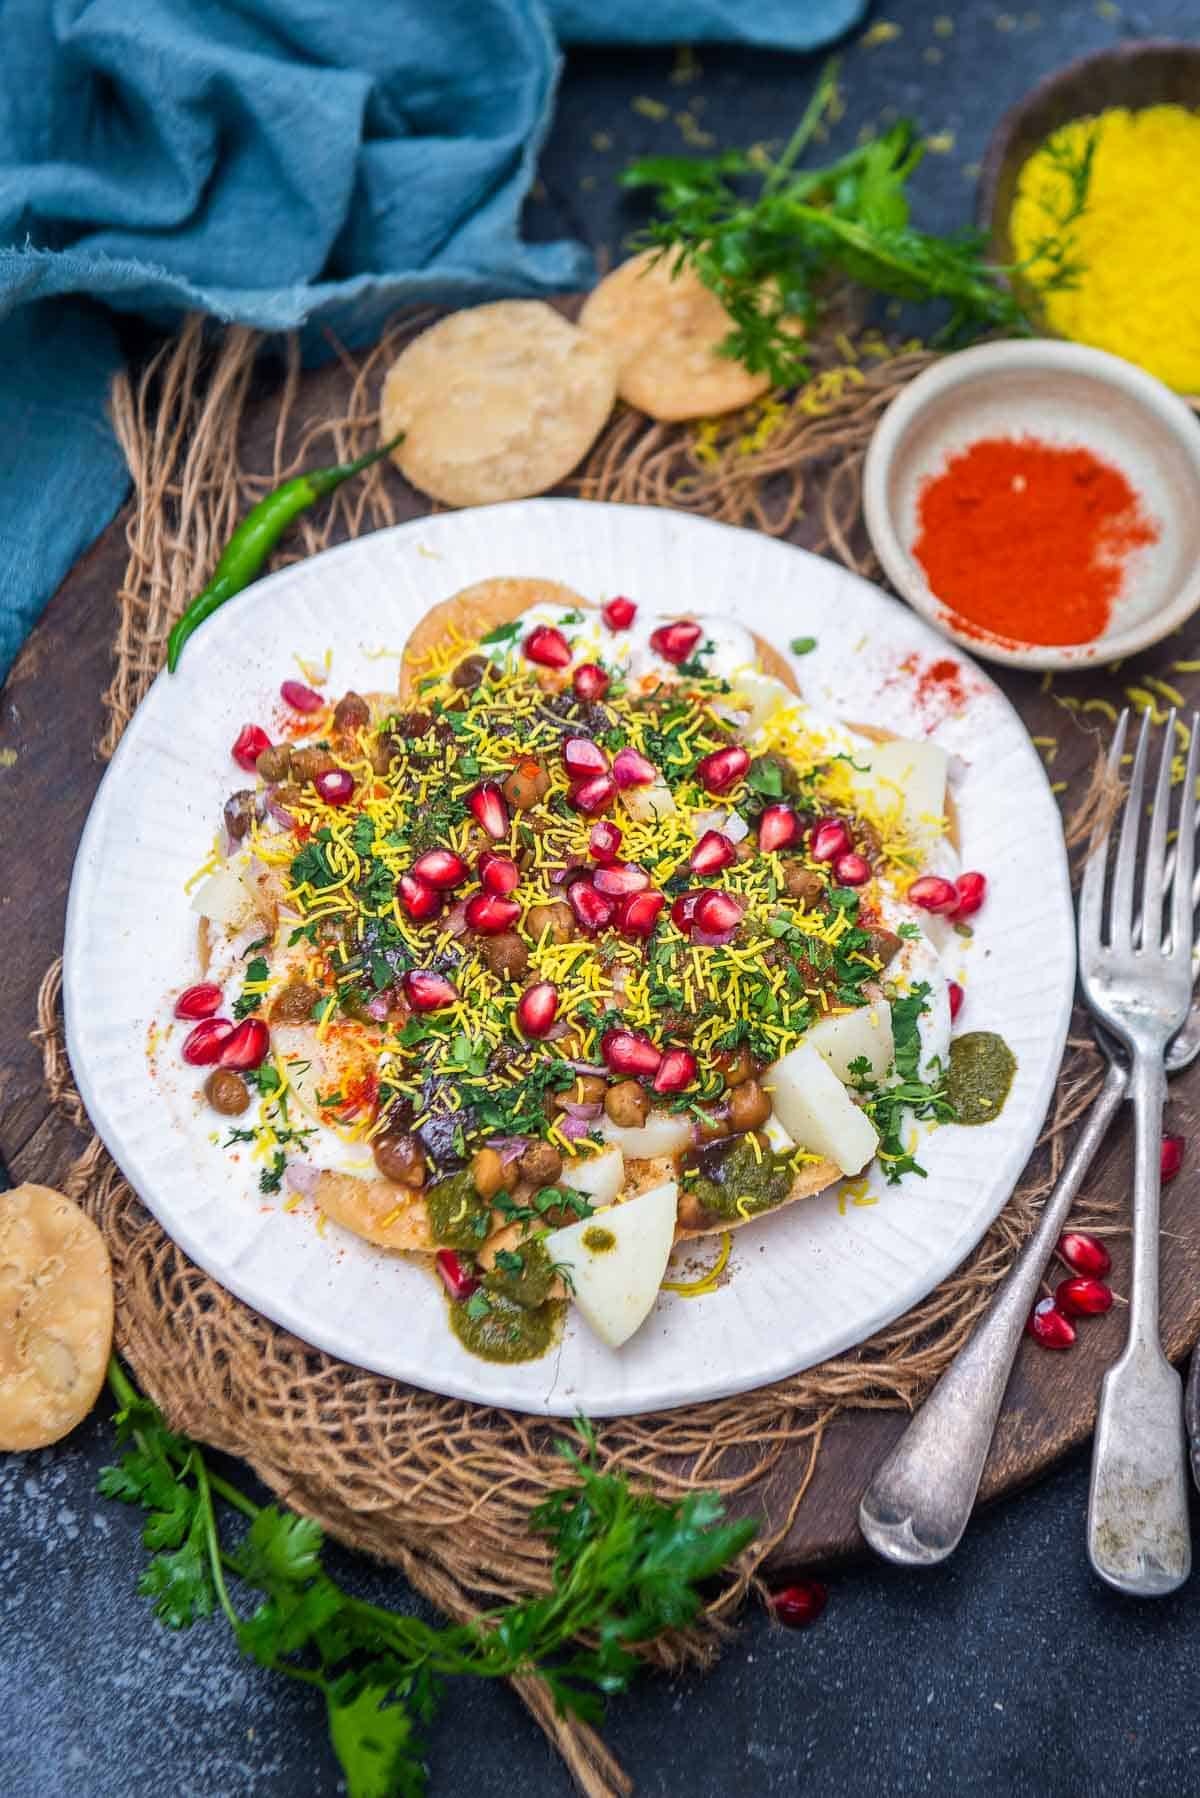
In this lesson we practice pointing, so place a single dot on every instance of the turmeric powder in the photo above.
(1136, 244)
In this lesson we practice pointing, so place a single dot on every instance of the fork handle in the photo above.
(1138, 1532)
(918, 1504)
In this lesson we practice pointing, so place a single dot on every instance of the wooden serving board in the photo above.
(51, 718)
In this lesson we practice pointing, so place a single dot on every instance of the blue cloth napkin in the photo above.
(282, 163)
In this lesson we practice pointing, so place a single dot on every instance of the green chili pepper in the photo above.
(254, 539)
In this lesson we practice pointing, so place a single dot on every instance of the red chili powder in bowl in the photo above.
(1028, 540)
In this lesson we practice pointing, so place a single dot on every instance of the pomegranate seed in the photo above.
(801, 1604)
(583, 758)
(336, 786)
(246, 1045)
(537, 1008)
(852, 870)
(619, 613)
(638, 915)
(202, 1046)
(488, 809)
(683, 911)
(458, 1282)
(956, 996)
(934, 894)
(1050, 1326)
(675, 642)
(1081, 1297)
(588, 796)
(830, 841)
(490, 913)
(426, 991)
(633, 770)
(248, 745)
(605, 842)
(198, 1001)
(627, 1053)
(300, 697)
(548, 647)
(972, 891)
(676, 1070)
(419, 899)
(590, 683)
(777, 827)
(1083, 1253)
(618, 880)
(717, 912)
(713, 852)
(723, 768)
(497, 872)
(591, 908)
(441, 868)
(1172, 1156)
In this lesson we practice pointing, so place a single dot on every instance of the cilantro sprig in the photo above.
(906, 1091)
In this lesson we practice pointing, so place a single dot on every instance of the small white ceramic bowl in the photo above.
(1060, 393)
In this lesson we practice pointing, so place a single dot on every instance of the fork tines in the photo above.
(1133, 931)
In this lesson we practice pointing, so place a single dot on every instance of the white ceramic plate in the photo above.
(808, 1283)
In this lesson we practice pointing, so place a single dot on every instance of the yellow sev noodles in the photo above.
(1137, 241)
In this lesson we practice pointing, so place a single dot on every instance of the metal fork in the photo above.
(1139, 984)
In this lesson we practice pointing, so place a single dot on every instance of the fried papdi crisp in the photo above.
(56, 1316)
(643, 1176)
(474, 611)
(497, 402)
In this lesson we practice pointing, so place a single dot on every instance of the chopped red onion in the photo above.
(511, 1147)
(379, 1006)
(586, 1067)
(280, 813)
(302, 1177)
(583, 1111)
(705, 939)
(456, 918)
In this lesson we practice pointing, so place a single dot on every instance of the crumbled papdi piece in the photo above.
(56, 1316)
(497, 402)
(474, 611)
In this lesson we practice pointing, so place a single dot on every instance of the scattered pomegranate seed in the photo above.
(198, 1001)
(592, 795)
(202, 1046)
(627, 1053)
(248, 745)
(604, 843)
(713, 852)
(335, 786)
(972, 891)
(419, 899)
(583, 758)
(591, 908)
(676, 1070)
(300, 697)
(683, 911)
(633, 770)
(1172, 1156)
(617, 880)
(537, 1008)
(548, 647)
(723, 768)
(1081, 1297)
(498, 873)
(830, 840)
(956, 996)
(852, 870)
(458, 1282)
(246, 1045)
(777, 827)
(426, 991)
(441, 868)
(488, 809)
(717, 912)
(675, 642)
(1083, 1253)
(801, 1604)
(1050, 1326)
(590, 683)
(490, 913)
(619, 613)
(934, 894)
(638, 915)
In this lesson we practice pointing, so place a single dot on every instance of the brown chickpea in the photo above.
(275, 764)
(400, 1158)
(308, 763)
(626, 1104)
(885, 946)
(294, 1005)
(239, 813)
(505, 954)
(350, 714)
(226, 1092)
(736, 1065)
(803, 884)
(749, 1107)
(469, 673)
(527, 783)
(380, 751)
(589, 1089)
(487, 1172)
(715, 1122)
(541, 1163)
(557, 918)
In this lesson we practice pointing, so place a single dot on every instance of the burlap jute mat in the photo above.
(441, 1488)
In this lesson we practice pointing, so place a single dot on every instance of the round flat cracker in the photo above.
(497, 402)
(474, 611)
(665, 330)
(56, 1316)
(392, 1217)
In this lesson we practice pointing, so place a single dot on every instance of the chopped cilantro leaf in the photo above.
(802, 646)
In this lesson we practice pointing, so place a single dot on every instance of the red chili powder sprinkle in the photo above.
(1027, 541)
(938, 688)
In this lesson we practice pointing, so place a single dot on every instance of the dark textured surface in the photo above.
(1008, 1671)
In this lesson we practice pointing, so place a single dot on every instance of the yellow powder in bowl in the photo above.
(1136, 243)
